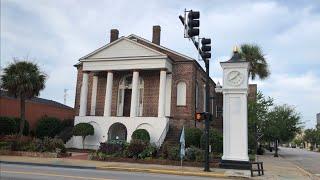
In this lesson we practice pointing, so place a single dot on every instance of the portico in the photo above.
(123, 68)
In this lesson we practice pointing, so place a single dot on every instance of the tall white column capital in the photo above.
(162, 93)
(84, 94)
(134, 95)
(108, 96)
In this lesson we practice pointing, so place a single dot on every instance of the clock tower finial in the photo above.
(235, 49)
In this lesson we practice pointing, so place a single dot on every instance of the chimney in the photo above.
(156, 34)
(114, 35)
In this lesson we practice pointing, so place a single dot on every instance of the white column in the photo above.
(162, 93)
(94, 95)
(84, 95)
(134, 95)
(108, 97)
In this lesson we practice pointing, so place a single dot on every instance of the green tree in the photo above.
(257, 114)
(281, 125)
(311, 136)
(24, 80)
(83, 130)
(258, 64)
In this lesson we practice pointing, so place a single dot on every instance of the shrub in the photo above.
(48, 127)
(174, 153)
(165, 149)
(67, 123)
(17, 126)
(66, 134)
(115, 148)
(53, 145)
(16, 142)
(199, 155)
(11, 125)
(84, 130)
(149, 151)
(141, 134)
(7, 126)
(136, 147)
(25, 143)
(192, 137)
(215, 140)
(194, 154)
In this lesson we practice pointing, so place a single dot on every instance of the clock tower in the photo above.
(235, 114)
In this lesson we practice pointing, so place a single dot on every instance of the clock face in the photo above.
(235, 78)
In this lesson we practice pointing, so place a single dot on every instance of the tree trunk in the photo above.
(22, 114)
(276, 150)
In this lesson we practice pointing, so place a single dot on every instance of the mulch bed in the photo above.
(214, 163)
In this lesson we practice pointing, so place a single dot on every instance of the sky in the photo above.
(55, 34)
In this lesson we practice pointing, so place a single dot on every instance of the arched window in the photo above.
(181, 94)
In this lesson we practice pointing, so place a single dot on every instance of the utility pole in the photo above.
(65, 96)
(191, 24)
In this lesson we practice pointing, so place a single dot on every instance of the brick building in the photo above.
(133, 83)
(35, 109)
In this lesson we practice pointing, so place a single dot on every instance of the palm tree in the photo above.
(258, 64)
(24, 80)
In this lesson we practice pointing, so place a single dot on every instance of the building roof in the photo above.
(5, 94)
(173, 55)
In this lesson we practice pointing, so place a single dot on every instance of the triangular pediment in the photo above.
(123, 48)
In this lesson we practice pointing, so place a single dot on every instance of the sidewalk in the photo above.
(275, 168)
(279, 168)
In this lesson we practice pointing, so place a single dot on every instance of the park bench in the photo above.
(259, 168)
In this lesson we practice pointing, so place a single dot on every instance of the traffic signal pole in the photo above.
(191, 23)
(207, 120)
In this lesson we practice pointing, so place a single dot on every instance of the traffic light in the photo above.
(203, 116)
(205, 48)
(199, 116)
(193, 23)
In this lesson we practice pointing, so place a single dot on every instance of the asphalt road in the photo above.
(307, 160)
(27, 172)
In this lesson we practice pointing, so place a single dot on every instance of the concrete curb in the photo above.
(49, 165)
(163, 171)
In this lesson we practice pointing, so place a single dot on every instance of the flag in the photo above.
(182, 144)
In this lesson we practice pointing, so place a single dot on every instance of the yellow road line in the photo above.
(50, 174)
(162, 171)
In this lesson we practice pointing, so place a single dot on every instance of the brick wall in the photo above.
(34, 110)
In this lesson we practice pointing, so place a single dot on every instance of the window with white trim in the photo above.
(219, 111)
(181, 94)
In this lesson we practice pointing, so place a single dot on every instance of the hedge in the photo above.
(48, 127)
(192, 136)
(215, 140)
(11, 125)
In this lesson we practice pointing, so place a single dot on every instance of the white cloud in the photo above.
(57, 33)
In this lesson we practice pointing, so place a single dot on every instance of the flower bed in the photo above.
(34, 154)
(28, 146)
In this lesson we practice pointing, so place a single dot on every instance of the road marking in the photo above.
(50, 174)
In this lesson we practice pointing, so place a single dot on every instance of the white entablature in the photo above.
(125, 54)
